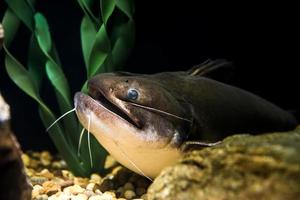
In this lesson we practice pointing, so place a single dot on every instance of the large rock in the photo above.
(13, 181)
(241, 167)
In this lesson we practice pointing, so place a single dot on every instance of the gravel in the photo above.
(52, 180)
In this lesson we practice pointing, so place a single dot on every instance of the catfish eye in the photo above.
(132, 94)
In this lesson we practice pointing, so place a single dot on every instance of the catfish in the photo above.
(148, 121)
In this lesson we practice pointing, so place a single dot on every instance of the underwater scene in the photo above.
(144, 100)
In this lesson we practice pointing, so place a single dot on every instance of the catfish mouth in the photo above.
(98, 95)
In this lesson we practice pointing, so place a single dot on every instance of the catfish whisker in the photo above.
(79, 142)
(63, 115)
(127, 157)
(89, 140)
(160, 111)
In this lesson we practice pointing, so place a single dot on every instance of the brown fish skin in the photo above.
(170, 109)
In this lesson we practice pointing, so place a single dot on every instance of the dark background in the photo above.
(261, 40)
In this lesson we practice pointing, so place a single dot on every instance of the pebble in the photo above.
(60, 196)
(51, 180)
(144, 183)
(81, 181)
(75, 189)
(37, 190)
(120, 191)
(140, 191)
(89, 193)
(92, 186)
(26, 159)
(45, 158)
(41, 197)
(67, 174)
(33, 163)
(46, 173)
(56, 165)
(145, 197)
(95, 178)
(105, 196)
(38, 180)
(51, 187)
(97, 191)
(110, 193)
(80, 197)
(129, 194)
(128, 186)
(107, 184)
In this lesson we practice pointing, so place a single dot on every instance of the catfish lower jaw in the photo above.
(98, 96)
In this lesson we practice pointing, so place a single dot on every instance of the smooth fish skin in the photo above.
(144, 121)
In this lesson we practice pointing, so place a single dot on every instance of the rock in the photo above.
(240, 167)
(13, 182)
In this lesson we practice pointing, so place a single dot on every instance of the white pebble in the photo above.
(80, 197)
(129, 194)
(37, 190)
(41, 197)
(75, 189)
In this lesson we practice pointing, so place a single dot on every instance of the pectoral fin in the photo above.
(196, 145)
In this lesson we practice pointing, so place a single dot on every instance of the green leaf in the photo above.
(100, 50)
(57, 79)
(88, 35)
(127, 6)
(54, 55)
(10, 24)
(107, 8)
(20, 76)
(23, 11)
(86, 7)
(124, 43)
(31, 4)
(36, 61)
(42, 33)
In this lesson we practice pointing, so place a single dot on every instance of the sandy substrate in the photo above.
(51, 180)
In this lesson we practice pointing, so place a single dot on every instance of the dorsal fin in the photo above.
(212, 68)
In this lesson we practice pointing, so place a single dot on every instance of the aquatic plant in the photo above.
(106, 40)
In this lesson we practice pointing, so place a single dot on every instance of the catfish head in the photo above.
(136, 119)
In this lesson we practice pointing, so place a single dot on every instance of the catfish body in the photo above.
(145, 121)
